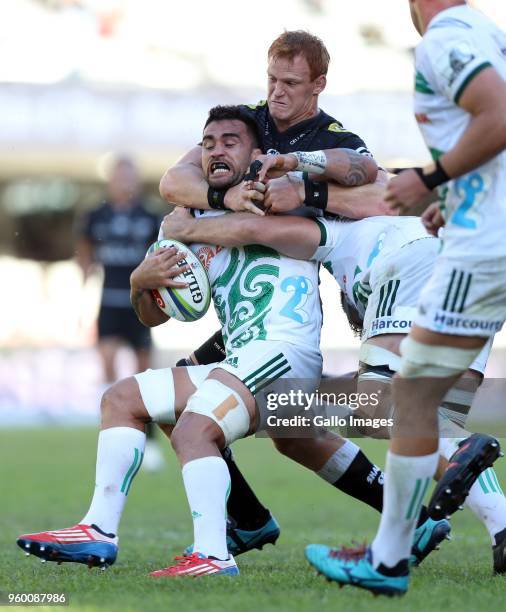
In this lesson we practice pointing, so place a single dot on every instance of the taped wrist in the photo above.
(311, 161)
(433, 179)
(216, 198)
(316, 193)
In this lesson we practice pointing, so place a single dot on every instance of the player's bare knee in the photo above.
(194, 430)
(121, 404)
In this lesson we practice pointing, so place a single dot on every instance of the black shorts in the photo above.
(123, 323)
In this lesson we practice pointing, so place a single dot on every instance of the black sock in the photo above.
(364, 481)
(424, 515)
(150, 431)
(243, 505)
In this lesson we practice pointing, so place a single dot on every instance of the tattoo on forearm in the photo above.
(357, 173)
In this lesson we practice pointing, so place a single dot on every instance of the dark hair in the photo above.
(299, 42)
(354, 319)
(229, 113)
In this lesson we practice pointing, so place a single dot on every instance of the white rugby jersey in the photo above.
(259, 294)
(350, 249)
(458, 44)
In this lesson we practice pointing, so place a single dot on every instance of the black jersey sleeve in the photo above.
(334, 136)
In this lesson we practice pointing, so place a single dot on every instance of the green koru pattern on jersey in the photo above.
(421, 84)
(361, 291)
(245, 304)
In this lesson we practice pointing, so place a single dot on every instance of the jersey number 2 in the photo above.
(471, 186)
(300, 286)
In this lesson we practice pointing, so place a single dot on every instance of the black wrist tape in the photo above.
(216, 198)
(435, 178)
(211, 351)
(317, 193)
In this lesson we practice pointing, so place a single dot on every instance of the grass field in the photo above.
(46, 481)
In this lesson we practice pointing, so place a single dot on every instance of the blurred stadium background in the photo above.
(84, 80)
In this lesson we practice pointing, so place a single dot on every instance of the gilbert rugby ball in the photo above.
(192, 302)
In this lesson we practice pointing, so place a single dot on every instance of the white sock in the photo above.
(207, 484)
(406, 482)
(119, 457)
(486, 499)
(340, 461)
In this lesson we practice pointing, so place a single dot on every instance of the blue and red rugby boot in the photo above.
(86, 544)
(196, 564)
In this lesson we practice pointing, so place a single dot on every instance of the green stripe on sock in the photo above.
(227, 495)
(494, 476)
(134, 474)
(424, 491)
(490, 481)
(130, 470)
(482, 484)
(414, 497)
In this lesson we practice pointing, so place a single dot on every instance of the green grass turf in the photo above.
(46, 481)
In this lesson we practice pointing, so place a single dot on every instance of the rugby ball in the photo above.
(189, 303)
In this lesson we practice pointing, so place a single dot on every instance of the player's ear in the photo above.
(319, 84)
(255, 153)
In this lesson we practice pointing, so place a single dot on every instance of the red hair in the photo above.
(298, 42)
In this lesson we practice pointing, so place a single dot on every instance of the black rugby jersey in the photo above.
(319, 132)
(120, 239)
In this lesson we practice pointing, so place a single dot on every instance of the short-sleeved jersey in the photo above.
(120, 238)
(459, 43)
(350, 249)
(319, 132)
(259, 294)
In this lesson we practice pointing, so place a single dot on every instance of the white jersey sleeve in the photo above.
(452, 58)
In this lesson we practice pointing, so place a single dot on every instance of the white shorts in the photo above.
(396, 282)
(464, 297)
(258, 365)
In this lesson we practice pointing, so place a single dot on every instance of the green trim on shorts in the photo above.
(449, 290)
(323, 232)
(268, 382)
(384, 307)
(268, 376)
(265, 365)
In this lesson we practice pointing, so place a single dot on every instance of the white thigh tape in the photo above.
(157, 393)
(376, 356)
(425, 360)
(224, 406)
